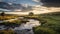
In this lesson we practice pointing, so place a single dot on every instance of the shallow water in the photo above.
(29, 25)
(25, 28)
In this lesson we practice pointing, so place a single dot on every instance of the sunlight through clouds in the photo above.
(36, 0)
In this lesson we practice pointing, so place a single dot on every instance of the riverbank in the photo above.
(24, 26)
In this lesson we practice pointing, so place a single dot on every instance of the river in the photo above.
(25, 28)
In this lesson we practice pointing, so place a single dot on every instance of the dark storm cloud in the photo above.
(51, 3)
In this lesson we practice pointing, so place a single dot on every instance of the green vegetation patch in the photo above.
(52, 25)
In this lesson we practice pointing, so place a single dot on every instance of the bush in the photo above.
(31, 13)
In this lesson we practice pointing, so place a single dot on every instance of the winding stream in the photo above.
(25, 28)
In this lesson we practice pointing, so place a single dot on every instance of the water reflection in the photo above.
(24, 28)
(27, 28)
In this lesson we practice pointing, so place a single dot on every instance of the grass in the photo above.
(7, 17)
(53, 24)
(7, 32)
(52, 19)
(43, 30)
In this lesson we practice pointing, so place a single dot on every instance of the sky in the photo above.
(51, 3)
(35, 2)
(30, 2)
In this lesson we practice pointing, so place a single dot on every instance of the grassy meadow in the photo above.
(52, 26)
(50, 22)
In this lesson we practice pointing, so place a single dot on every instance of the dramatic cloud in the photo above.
(0, 0)
(51, 3)
(25, 5)
(36, 0)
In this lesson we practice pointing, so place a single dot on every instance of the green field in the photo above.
(52, 26)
